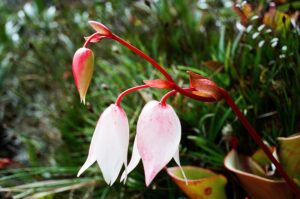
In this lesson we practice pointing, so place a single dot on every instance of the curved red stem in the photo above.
(89, 39)
(167, 95)
(118, 101)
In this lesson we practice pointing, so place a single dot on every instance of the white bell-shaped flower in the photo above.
(109, 144)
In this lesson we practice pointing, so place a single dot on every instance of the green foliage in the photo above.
(42, 116)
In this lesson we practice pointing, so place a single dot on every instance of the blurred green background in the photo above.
(45, 131)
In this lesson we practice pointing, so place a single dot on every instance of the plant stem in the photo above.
(161, 69)
(89, 39)
(259, 141)
(142, 54)
(118, 101)
(167, 95)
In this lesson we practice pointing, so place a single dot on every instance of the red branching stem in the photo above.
(173, 92)
(259, 141)
(118, 101)
(161, 69)
(90, 38)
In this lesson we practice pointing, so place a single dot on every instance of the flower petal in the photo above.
(110, 143)
(135, 159)
(99, 27)
(204, 87)
(113, 124)
(158, 137)
(159, 83)
(177, 160)
(89, 161)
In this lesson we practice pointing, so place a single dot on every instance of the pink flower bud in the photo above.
(83, 67)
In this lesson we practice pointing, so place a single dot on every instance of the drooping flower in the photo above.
(83, 67)
(157, 139)
(109, 144)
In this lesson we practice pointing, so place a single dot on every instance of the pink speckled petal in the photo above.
(158, 137)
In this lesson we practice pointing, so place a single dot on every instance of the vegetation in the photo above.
(46, 131)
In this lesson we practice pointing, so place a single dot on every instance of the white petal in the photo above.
(89, 161)
(177, 160)
(92, 153)
(113, 144)
(158, 137)
(110, 143)
(135, 159)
